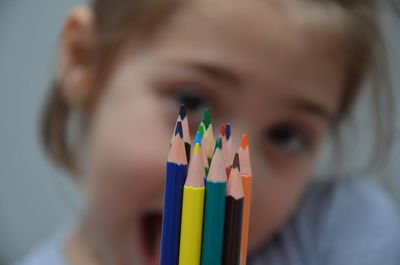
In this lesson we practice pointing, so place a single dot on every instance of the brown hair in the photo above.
(116, 19)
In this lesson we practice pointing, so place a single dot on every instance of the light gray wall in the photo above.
(30, 201)
(392, 171)
(34, 197)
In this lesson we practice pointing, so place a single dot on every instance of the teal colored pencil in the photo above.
(214, 210)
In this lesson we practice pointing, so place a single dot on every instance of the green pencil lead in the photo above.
(218, 143)
(209, 160)
(201, 130)
(206, 118)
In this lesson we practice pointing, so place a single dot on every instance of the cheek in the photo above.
(126, 153)
(275, 195)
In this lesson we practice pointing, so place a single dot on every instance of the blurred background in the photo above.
(35, 197)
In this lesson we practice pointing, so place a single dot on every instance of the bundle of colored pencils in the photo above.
(207, 199)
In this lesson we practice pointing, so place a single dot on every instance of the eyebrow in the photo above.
(312, 108)
(215, 72)
(223, 75)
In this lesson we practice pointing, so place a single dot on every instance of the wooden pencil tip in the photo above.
(228, 130)
(217, 170)
(245, 141)
(177, 153)
(235, 185)
(182, 111)
(222, 130)
(178, 129)
(236, 163)
(206, 118)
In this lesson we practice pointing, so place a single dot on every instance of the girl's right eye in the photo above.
(193, 101)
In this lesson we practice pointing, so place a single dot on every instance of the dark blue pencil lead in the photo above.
(179, 129)
(182, 111)
(228, 131)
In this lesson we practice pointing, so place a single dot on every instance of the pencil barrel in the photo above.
(174, 182)
(214, 218)
(246, 180)
(192, 226)
(233, 231)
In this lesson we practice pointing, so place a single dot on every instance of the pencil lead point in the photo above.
(222, 130)
(196, 148)
(201, 130)
(182, 111)
(228, 130)
(236, 163)
(218, 143)
(206, 118)
(179, 129)
(198, 138)
(245, 141)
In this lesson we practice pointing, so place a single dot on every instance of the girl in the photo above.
(285, 71)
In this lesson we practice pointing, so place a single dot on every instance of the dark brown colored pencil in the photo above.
(233, 217)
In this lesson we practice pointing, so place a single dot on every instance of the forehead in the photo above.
(262, 41)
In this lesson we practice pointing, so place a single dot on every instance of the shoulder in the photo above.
(355, 219)
(351, 197)
(353, 200)
(48, 252)
(337, 222)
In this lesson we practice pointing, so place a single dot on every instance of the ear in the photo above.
(74, 69)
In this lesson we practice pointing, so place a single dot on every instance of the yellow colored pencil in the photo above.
(192, 210)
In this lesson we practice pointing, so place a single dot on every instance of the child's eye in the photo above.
(193, 101)
(288, 138)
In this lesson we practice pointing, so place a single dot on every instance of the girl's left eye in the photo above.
(288, 138)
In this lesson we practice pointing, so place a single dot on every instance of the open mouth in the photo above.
(151, 237)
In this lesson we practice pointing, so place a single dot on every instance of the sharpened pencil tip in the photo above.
(196, 149)
(228, 130)
(201, 130)
(222, 130)
(182, 111)
(245, 141)
(197, 140)
(206, 118)
(179, 129)
(236, 163)
(218, 143)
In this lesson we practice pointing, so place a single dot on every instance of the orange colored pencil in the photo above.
(245, 170)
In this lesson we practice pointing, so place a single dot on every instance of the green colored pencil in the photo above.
(214, 213)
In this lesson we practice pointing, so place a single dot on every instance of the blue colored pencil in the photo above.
(175, 178)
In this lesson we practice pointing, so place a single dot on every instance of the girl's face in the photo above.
(255, 66)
